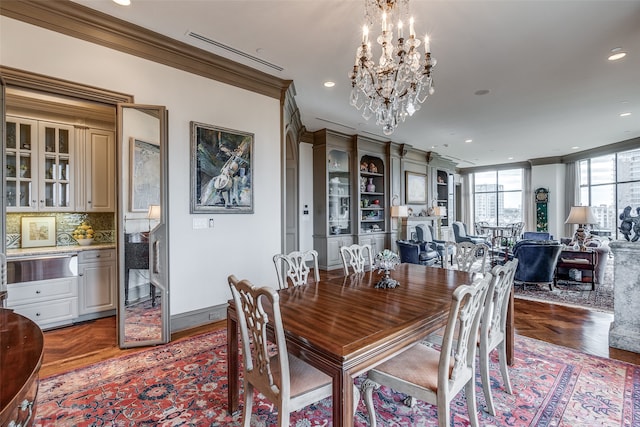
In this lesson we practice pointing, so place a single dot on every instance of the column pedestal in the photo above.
(624, 332)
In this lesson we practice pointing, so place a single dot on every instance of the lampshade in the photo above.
(154, 212)
(399, 211)
(581, 215)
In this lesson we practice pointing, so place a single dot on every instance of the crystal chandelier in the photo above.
(395, 87)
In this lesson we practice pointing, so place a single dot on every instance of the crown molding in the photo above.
(75, 20)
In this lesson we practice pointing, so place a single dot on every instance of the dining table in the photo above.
(344, 325)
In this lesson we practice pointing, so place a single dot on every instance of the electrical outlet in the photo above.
(210, 222)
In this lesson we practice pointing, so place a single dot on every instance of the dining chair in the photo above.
(493, 328)
(471, 257)
(297, 271)
(433, 376)
(354, 256)
(288, 382)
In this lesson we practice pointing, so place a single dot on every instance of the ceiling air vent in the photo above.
(233, 50)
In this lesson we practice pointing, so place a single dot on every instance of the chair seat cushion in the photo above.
(302, 376)
(417, 365)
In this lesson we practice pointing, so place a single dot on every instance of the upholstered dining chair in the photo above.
(460, 234)
(425, 233)
(354, 256)
(471, 257)
(288, 382)
(297, 271)
(433, 376)
(493, 329)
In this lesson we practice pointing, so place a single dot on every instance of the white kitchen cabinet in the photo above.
(49, 303)
(96, 165)
(97, 281)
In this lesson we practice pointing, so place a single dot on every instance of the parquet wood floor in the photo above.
(72, 347)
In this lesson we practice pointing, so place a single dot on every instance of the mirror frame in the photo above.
(158, 237)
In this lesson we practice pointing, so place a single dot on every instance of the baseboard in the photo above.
(191, 319)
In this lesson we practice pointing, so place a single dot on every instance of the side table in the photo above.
(582, 261)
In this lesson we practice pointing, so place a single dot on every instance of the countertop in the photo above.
(56, 250)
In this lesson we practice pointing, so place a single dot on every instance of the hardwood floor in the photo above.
(76, 346)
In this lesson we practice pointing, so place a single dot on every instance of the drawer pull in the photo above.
(38, 291)
(37, 314)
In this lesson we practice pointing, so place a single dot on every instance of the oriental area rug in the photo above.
(184, 384)
(573, 295)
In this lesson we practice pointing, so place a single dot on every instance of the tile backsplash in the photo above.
(102, 223)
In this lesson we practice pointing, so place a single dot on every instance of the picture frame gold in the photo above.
(38, 231)
(415, 188)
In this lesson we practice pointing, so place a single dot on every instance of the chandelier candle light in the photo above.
(401, 81)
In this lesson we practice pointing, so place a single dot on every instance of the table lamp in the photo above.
(582, 216)
(153, 213)
(399, 211)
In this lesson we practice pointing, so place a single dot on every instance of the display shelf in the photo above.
(372, 195)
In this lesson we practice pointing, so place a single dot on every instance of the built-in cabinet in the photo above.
(372, 195)
(444, 192)
(97, 285)
(96, 152)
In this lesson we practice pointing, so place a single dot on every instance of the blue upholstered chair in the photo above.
(460, 234)
(536, 235)
(410, 252)
(425, 233)
(537, 261)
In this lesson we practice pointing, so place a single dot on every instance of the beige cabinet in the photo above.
(96, 165)
(97, 281)
(377, 242)
(49, 303)
(39, 158)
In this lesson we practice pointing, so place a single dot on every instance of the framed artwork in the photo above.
(144, 176)
(416, 188)
(38, 231)
(221, 170)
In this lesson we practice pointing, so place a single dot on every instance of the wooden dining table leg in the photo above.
(233, 395)
(343, 400)
(510, 330)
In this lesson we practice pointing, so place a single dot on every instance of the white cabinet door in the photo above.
(98, 169)
(56, 162)
(97, 282)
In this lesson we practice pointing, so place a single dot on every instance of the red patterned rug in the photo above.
(184, 384)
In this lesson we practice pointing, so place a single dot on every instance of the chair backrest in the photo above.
(516, 229)
(424, 233)
(354, 256)
(536, 235)
(297, 270)
(459, 230)
(471, 257)
(409, 252)
(481, 228)
(461, 335)
(272, 381)
(537, 260)
(494, 318)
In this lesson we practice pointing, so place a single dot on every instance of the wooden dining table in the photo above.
(344, 325)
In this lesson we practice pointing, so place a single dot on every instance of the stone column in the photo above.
(624, 332)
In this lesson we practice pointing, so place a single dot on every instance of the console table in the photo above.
(22, 347)
(582, 261)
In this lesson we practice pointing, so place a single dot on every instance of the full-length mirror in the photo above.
(142, 226)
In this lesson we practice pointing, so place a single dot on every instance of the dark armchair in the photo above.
(536, 261)
(415, 253)
(536, 235)
(460, 234)
(425, 233)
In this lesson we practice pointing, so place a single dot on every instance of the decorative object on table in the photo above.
(582, 216)
(416, 188)
(38, 231)
(385, 262)
(222, 170)
(144, 175)
(402, 71)
(84, 234)
(630, 223)
(542, 200)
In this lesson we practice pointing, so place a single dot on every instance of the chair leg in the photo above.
(504, 369)
(367, 390)
(248, 404)
(356, 399)
(472, 407)
(486, 379)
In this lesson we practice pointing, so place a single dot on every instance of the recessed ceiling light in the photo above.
(482, 92)
(329, 84)
(509, 158)
(468, 140)
(616, 53)
(626, 114)
(122, 2)
(575, 147)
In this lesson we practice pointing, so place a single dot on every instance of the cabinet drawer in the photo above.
(47, 313)
(41, 291)
(97, 255)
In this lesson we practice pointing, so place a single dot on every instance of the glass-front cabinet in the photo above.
(38, 166)
(339, 193)
(372, 195)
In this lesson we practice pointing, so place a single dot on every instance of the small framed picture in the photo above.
(38, 231)
(416, 188)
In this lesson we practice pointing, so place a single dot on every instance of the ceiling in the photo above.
(544, 63)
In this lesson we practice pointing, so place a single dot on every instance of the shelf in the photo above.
(371, 174)
(370, 208)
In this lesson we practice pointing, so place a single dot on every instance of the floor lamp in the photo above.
(582, 216)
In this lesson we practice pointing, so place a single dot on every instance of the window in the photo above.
(608, 184)
(498, 196)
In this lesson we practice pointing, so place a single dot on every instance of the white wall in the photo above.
(305, 174)
(552, 177)
(200, 260)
